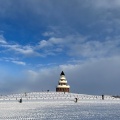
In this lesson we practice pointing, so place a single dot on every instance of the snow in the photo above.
(58, 106)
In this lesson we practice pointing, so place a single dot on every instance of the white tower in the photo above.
(62, 84)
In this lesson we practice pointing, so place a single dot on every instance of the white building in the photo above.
(62, 84)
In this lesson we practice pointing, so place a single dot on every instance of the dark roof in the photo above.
(62, 73)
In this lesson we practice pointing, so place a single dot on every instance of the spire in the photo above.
(62, 73)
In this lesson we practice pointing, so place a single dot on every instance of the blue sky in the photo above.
(40, 38)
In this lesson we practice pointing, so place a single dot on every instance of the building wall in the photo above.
(62, 90)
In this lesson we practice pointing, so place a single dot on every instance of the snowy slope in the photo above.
(58, 106)
(52, 96)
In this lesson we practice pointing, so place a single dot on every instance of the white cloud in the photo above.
(87, 77)
(2, 40)
(48, 34)
(54, 40)
(72, 45)
(55, 45)
(32, 76)
(13, 60)
(25, 50)
(95, 76)
(96, 48)
(90, 17)
(19, 62)
(44, 43)
(51, 42)
(82, 46)
(106, 4)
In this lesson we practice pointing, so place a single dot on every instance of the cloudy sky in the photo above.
(40, 38)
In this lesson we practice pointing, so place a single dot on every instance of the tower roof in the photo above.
(62, 73)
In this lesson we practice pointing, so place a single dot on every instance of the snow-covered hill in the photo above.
(52, 96)
(58, 106)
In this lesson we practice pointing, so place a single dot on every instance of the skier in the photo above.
(102, 97)
(76, 99)
(20, 101)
